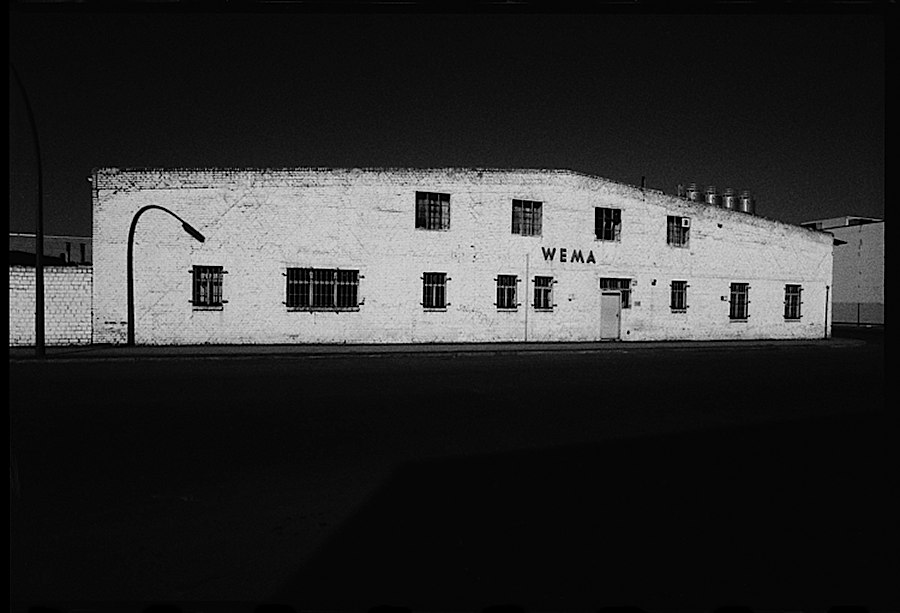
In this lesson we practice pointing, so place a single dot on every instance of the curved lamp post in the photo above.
(187, 228)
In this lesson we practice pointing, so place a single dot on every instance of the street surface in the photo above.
(658, 477)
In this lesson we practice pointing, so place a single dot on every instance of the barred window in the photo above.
(792, 301)
(322, 289)
(543, 293)
(678, 231)
(527, 217)
(434, 290)
(207, 286)
(432, 211)
(622, 285)
(506, 291)
(739, 308)
(607, 224)
(679, 296)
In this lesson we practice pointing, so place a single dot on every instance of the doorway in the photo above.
(610, 315)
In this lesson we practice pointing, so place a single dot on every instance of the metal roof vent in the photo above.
(712, 196)
(746, 203)
(730, 199)
(694, 194)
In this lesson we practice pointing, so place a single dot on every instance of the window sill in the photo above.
(678, 246)
(525, 235)
(321, 309)
(543, 309)
(791, 319)
(597, 239)
(505, 310)
(679, 310)
(736, 320)
(435, 309)
(434, 229)
(209, 308)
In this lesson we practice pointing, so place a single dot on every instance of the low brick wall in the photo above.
(67, 305)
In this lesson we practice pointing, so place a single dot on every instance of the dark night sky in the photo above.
(790, 106)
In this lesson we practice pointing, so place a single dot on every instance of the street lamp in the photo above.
(187, 228)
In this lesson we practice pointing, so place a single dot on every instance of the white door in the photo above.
(610, 315)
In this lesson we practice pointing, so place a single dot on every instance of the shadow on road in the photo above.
(793, 514)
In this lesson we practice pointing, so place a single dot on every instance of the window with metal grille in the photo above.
(432, 211)
(678, 231)
(434, 290)
(622, 285)
(506, 291)
(322, 289)
(739, 307)
(792, 301)
(207, 286)
(527, 217)
(543, 293)
(678, 300)
(607, 224)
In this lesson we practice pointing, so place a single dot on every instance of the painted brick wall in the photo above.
(67, 305)
(258, 223)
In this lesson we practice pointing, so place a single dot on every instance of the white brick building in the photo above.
(446, 255)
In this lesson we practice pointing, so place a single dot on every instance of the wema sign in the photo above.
(575, 256)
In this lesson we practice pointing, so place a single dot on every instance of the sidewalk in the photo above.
(143, 352)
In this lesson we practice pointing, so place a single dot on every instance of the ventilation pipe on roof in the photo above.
(694, 194)
(712, 196)
(746, 203)
(729, 200)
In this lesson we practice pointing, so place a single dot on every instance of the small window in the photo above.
(739, 301)
(322, 289)
(432, 211)
(607, 224)
(434, 290)
(543, 293)
(207, 284)
(527, 217)
(678, 301)
(678, 231)
(506, 291)
(792, 301)
(623, 286)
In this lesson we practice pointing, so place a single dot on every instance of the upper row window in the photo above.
(678, 231)
(607, 224)
(432, 211)
(527, 217)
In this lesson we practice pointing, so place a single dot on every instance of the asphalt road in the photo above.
(663, 478)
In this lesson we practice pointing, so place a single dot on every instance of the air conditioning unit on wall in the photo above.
(685, 222)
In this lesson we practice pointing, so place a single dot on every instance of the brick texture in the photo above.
(67, 305)
(257, 223)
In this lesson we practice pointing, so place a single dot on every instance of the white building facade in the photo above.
(295, 256)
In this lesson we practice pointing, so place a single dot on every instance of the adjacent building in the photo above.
(312, 255)
(858, 268)
(58, 249)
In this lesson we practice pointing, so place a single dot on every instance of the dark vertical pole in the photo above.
(827, 300)
(134, 221)
(39, 232)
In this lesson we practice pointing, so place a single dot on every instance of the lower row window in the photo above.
(739, 303)
(322, 288)
(207, 286)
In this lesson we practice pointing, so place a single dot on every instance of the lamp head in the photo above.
(193, 231)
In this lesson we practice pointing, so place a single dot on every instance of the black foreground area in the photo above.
(666, 479)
